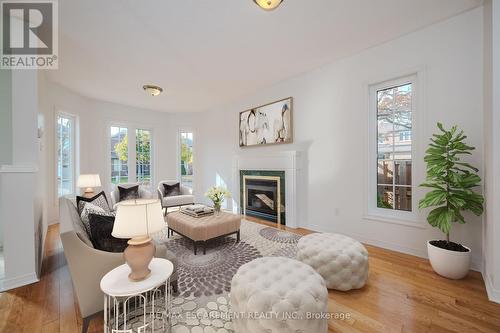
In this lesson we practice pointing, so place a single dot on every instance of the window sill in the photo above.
(400, 221)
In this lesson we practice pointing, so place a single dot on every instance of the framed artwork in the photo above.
(267, 124)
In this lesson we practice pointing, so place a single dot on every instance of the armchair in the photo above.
(144, 193)
(185, 198)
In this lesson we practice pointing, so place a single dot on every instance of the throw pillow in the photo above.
(101, 228)
(90, 208)
(172, 190)
(98, 200)
(128, 193)
(80, 229)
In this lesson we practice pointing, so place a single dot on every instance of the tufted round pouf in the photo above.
(340, 260)
(277, 294)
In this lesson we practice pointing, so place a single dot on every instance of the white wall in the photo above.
(21, 207)
(5, 117)
(94, 118)
(491, 232)
(331, 123)
(5, 127)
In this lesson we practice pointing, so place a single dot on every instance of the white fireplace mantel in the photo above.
(288, 161)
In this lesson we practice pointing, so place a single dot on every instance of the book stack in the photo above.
(197, 210)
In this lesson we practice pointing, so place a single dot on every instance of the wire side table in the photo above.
(138, 307)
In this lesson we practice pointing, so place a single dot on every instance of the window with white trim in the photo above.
(392, 110)
(130, 154)
(186, 158)
(65, 136)
(119, 154)
(143, 156)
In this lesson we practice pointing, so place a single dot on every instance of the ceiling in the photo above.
(207, 53)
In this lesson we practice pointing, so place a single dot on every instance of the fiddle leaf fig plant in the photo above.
(451, 180)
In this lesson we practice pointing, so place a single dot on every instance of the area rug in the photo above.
(202, 303)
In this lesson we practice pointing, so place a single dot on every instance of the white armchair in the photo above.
(185, 198)
(144, 192)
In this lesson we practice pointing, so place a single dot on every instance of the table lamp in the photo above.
(138, 220)
(88, 182)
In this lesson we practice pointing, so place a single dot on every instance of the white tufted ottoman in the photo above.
(270, 285)
(340, 260)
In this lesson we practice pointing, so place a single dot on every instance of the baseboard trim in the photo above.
(19, 281)
(475, 266)
(493, 294)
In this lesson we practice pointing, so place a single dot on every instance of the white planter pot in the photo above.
(450, 264)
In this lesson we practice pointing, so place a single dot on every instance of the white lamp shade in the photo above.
(138, 218)
(88, 180)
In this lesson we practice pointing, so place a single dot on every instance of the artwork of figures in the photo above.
(267, 124)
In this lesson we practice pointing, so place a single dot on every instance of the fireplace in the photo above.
(263, 195)
(284, 164)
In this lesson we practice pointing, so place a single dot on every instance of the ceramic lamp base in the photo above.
(89, 192)
(138, 255)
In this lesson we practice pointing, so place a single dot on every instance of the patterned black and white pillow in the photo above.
(90, 208)
(98, 200)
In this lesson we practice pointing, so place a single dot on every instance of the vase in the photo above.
(217, 208)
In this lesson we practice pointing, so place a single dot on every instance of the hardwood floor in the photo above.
(403, 294)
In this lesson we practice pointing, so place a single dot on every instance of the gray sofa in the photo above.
(88, 265)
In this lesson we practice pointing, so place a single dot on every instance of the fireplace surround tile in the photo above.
(266, 173)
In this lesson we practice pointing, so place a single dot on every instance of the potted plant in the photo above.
(452, 181)
(217, 194)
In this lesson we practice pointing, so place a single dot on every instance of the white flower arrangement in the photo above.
(217, 194)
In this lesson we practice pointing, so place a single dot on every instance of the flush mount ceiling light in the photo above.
(268, 4)
(152, 89)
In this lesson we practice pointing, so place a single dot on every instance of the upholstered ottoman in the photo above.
(202, 229)
(277, 294)
(340, 260)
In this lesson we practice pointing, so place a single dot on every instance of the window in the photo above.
(405, 136)
(116, 164)
(143, 156)
(393, 106)
(65, 135)
(130, 155)
(186, 165)
(119, 155)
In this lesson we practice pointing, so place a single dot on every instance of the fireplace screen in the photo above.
(262, 197)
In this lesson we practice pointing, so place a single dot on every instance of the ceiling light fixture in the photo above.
(268, 4)
(152, 89)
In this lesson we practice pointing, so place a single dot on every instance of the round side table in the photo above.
(143, 306)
